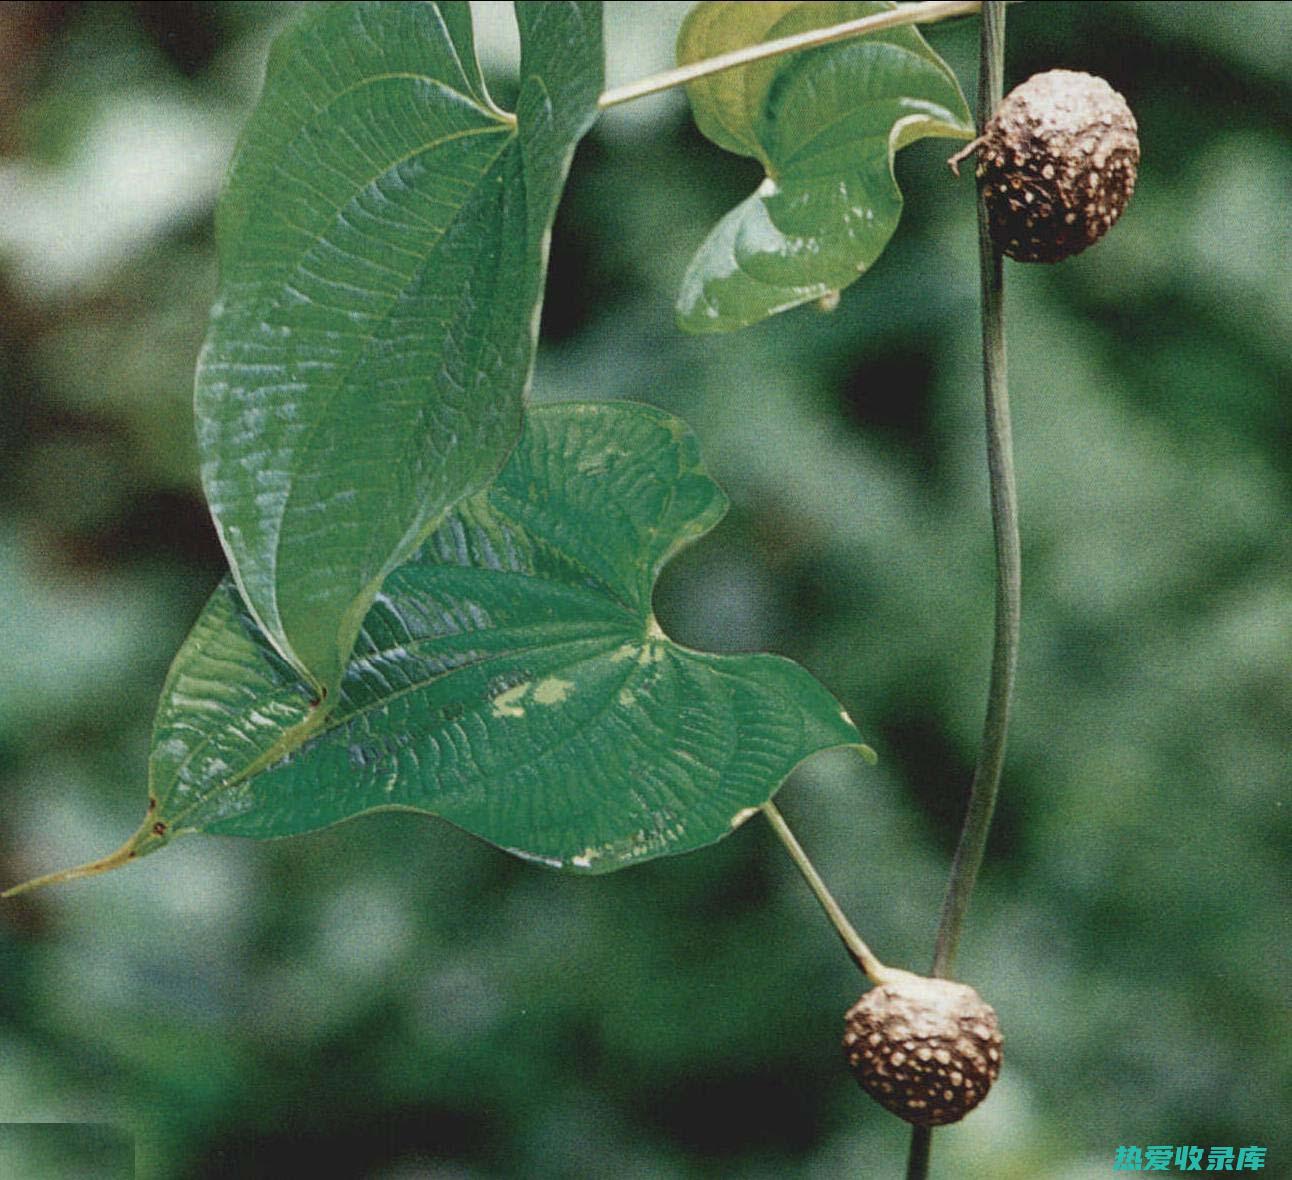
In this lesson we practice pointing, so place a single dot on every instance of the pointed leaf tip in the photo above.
(145, 840)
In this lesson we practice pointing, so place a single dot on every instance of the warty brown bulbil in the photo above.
(1057, 164)
(926, 1049)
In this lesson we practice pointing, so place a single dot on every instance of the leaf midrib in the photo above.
(336, 720)
(805, 148)
(364, 344)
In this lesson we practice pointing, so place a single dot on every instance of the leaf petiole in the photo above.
(860, 953)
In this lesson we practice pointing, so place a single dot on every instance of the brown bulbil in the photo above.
(926, 1049)
(1057, 162)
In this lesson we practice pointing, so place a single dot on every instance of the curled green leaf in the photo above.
(825, 124)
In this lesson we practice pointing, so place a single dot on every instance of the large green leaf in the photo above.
(382, 243)
(825, 124)
(510, 678)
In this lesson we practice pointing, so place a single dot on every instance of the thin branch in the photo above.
(1004, 512)
(909, 14)
(861, 954)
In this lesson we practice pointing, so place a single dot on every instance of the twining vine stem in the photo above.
(1004, 515)
(907, 14)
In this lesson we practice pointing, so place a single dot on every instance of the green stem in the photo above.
(861, 954)
(1004, 512)
(907, 14)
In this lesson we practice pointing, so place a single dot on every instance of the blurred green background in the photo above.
(393, 999)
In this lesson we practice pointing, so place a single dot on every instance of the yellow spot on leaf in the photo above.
(552, 691)
(507, 704)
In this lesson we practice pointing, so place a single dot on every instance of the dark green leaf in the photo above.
(383, 243)
(510, 678)
(825, 124)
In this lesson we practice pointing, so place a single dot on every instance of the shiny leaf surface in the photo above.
(510, 678)
(382, 241)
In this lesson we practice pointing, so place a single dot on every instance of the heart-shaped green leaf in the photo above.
(383, 243)
(825, 123)
(510, 678)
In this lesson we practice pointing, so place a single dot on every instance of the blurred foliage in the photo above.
(390, 998)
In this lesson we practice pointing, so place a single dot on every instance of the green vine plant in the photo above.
(440, 599)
